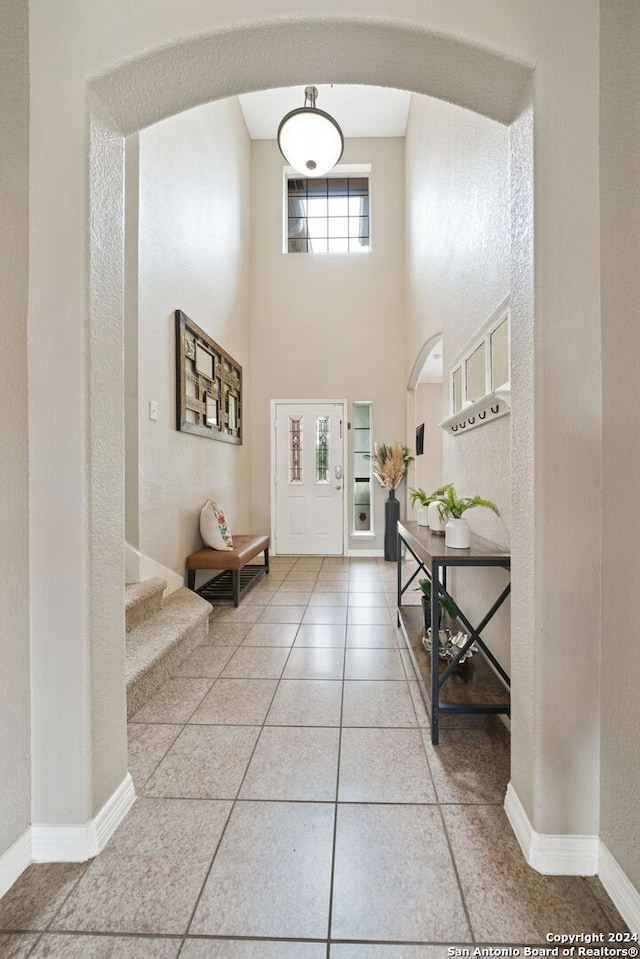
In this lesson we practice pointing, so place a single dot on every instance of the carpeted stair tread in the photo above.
(142, 600)
(158, 646)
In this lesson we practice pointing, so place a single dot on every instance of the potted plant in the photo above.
(450, 638)
(452, 509)
(389, 466)
(427, 516)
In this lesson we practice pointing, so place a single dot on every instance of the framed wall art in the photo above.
(208, 385)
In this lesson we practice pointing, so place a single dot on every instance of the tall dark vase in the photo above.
(391, 517)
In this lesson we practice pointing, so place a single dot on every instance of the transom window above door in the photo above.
(327, 214)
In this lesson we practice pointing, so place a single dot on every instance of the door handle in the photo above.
(338, 487)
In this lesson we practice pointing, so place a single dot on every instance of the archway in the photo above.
(130, 97)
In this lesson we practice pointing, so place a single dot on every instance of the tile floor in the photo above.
(291, 805)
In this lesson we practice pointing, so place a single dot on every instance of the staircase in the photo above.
(160, 635)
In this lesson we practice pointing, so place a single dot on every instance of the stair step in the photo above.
(143, 600)
(157, 646)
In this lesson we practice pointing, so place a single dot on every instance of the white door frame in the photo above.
(272, 464)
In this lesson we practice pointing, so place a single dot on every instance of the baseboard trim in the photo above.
(551, 855)
(622, 893)
(79, 843)
(14, 862)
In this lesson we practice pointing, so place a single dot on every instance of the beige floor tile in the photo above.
(370, 615)
(33, 900)
(294, 597)
(147, 745)
(314, 663)
(372, 636)
(176, 700)
(525, 906)
(294, 765)
(306, 702)
(384, 766)
(271, 876)
(321, 634)
(297, 584)
(236, 702)
(205, 662)
(265, 949)
(282, 614)
(205, 762)
(394, 877)
(328, 598)
(470, 766)
(332, 581)
(373, 664)
(377, 703)
(325, 614)
(269, 633)
(148, 878)
(16, 946)
(254, 662)
(238, 614)
(422, 716)
(368, 598)
(105, 947)
(227, 634)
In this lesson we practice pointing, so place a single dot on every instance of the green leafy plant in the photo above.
(453, 506)
(424, 585)
(419, 496)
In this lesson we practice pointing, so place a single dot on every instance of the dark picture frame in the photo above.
(208, 385)
(420, 439)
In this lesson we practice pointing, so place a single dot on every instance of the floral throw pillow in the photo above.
(213, 527)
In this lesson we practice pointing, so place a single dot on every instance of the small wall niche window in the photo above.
(362, 498)
(480, 387)
(327, 214)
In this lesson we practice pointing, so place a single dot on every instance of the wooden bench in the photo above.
(236, 577)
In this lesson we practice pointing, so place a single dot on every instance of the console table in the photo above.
(480, 685)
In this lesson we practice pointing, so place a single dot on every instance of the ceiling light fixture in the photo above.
(309, 139)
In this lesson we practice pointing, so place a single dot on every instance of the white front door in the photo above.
(309, 478)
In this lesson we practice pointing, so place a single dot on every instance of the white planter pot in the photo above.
(423, 516)
(436, 524)
(457, 534)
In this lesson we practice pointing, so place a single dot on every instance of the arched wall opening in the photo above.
(128, 98)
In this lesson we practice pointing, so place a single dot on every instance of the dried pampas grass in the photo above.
(390, 463)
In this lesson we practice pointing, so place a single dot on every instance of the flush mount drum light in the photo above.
(309, 139)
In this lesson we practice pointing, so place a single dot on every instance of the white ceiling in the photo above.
(361, 111)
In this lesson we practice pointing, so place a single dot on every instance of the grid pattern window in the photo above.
(328, 215)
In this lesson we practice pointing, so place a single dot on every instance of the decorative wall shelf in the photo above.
(485, 410)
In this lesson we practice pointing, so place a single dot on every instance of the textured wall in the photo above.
(474, 54)
(620, 193)
(193, 255)
(459, 266)
(14, 479)
(328, 327)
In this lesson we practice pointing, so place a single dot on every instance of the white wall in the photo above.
(195, 194)
(459, 271)
(15, 788)
(427, 469)
(169, 57)
(620, 212)
(328, 327)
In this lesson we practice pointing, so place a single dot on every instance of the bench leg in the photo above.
(191, 578)
(236, 587)
(266, 560)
